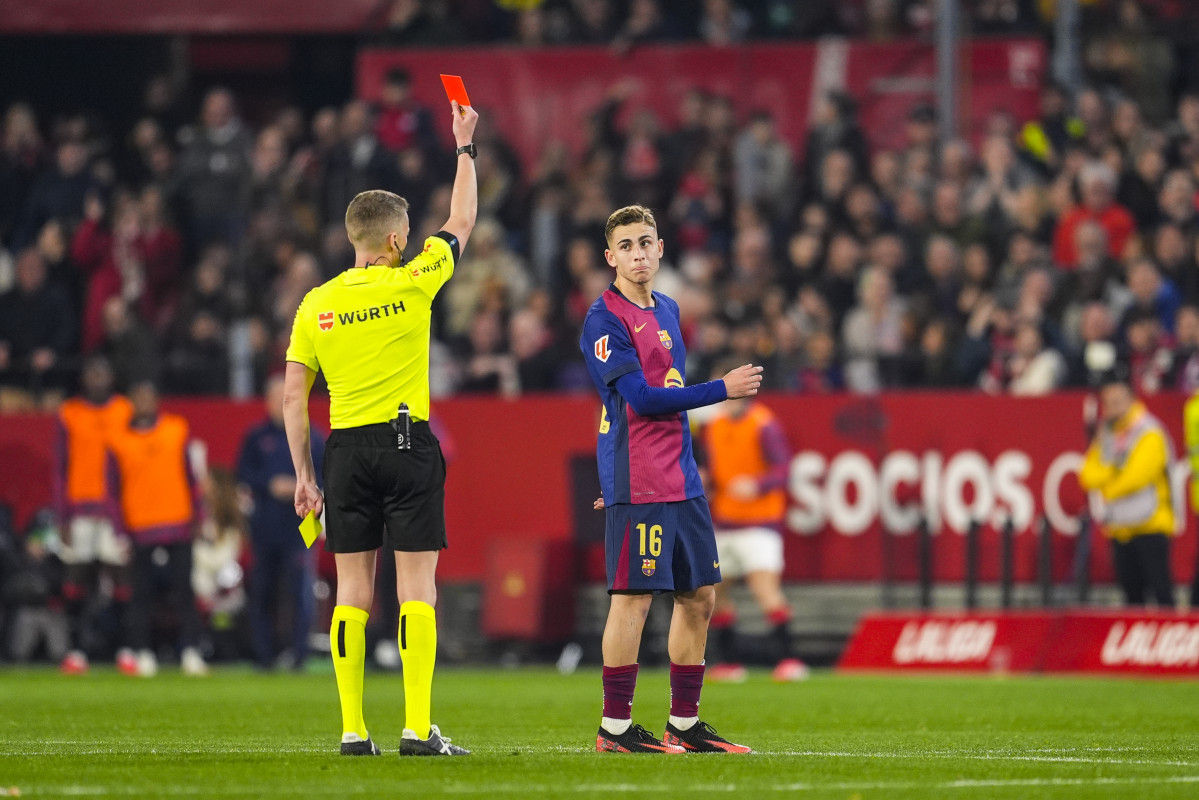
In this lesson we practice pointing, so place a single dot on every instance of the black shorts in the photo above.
(372, 488)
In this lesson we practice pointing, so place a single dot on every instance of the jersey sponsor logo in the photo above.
(637, 328)
(424, 269)
(366, 314)
(325, 320)
(673, 379)
(601, 348)
(664, 337)
(649, 566)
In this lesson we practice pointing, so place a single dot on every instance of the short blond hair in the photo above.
(372, 215)
(629, 215)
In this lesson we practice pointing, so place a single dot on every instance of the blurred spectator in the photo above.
(872, 334)
(488, 368)
(401, 123)
(135, 256)
(217, 574)
(531, 344)
(214, 171)
(20, 159)
(723, 22)
(420, 22)
(1034, 368)
(1151, 293)
(57, 194)
(492, 279)
(763, 166)
(128, 345)
(283, 567)
(197, 363)
(1045, 139)
(357, 163)
(32, 580)
(1097, 185)
(36, 330)
(1186, 350)
(645, 22)
(1150, 354)
(592, 21)
(1095, 346)
(820, 373)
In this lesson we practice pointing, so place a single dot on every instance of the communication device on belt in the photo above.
(402, 425)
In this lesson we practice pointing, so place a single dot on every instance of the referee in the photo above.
(368, 331)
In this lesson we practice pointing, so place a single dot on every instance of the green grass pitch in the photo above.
(239, 734)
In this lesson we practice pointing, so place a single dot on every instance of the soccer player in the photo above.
(87, 506)
(745, 454)
(368, 331)
(162, 510)
(265, 472)
(659, 534)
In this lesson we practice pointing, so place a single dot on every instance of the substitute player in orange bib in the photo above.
(745, 454)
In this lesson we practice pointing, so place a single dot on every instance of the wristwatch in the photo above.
(469, 149)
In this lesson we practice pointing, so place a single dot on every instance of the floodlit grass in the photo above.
(241, 734)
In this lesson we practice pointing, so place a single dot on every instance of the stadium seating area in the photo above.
(181, 244)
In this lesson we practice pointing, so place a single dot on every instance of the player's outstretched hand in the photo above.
(743, 381)
(465, 119)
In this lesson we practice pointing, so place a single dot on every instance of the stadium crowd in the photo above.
(180, 243)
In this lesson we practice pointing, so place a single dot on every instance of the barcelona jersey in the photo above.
(642, 459)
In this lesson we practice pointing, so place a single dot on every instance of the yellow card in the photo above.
(310, 528)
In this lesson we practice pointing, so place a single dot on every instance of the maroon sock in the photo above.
(619, 684)
(686, 682)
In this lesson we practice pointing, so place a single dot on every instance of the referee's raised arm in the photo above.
(464, 202)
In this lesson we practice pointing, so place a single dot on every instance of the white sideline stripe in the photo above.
(612, 788)
(1043, 755)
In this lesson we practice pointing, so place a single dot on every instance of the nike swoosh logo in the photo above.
(715, 565)
(637, 328)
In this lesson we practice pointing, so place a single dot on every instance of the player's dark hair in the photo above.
(629, 215)
(372, 215)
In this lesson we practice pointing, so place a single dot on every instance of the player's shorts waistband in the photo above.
(380, 433)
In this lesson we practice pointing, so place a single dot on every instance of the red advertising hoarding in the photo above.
(1161, 644)
(861, 466)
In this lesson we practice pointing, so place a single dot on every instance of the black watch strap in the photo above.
(469, 149)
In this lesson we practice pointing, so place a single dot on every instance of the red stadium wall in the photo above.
(539, 96)
(859, 463)
(185, 16)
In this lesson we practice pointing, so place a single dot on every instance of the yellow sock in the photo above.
(418, 650)
(347, 640)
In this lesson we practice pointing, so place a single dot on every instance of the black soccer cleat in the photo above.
(701, 738)
(435, 745)
(634, 740)
(361, 748)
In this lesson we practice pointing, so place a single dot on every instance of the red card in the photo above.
(455, 90)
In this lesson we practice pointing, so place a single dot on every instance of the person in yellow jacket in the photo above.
(1190, 427)
(1128, 464)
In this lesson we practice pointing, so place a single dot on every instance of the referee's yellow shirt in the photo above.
(368, 331)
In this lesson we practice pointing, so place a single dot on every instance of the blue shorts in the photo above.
(660, 547)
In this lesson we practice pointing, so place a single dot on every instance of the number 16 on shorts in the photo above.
(660, 546)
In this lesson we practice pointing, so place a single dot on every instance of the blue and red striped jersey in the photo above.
(642, 459)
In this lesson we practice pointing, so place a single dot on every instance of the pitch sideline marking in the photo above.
(77, 790)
